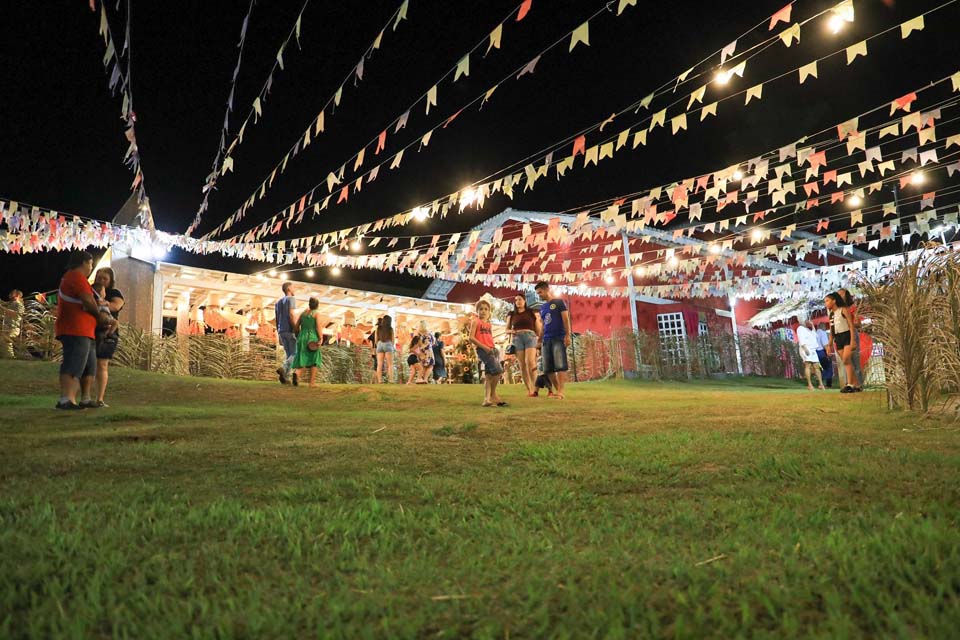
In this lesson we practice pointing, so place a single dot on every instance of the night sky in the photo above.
(61, 137)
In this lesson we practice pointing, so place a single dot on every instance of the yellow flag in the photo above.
(580, 34)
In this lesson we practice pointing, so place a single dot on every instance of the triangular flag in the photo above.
(754, 92)
(709, 110)
(401, 14)
(640, 137)
(495, 36)
(396, 160)
(463, 68)
(955, 81)
(431, 98)
(808, 70)
(524, 10)
(859, 49)
(624, 4)
(697, 96)
(727, 51)
(780, 16)
(658, 119)
(679, 122)
(529, 67)
(791, 34)
(910, 26)
(580, 34)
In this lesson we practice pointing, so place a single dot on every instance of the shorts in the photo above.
(524, 340)
(386, 347)
(841, 340)
(79, 356)
(107, 345)
(554, 355)
(412, 359)
(491, 361)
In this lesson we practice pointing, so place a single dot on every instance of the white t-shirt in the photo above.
(808, 338)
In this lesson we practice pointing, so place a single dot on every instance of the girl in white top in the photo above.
(841, 323)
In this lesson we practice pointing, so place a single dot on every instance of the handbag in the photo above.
(313, 345)
(511, 350)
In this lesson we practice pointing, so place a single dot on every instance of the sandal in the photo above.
(501, 404)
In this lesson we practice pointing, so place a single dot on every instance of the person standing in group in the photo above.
(13, 320)
(385, 349)
(481, 337)
(111, 300)
(307, 355)
(286, 322)
(439, 361)
(841, 332)
(855, 333)
(523, 325)
(807, 339)
(426, 353)
(826, 362)
(555, 338)
(413, 359)
(77, 318)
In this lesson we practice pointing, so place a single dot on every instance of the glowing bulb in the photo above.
(283, 276)
(273, 273)
(168, 305)
(355, 245)
(738, 175)
(609, 280)
(260, 276)
(468, 196)
(835, 23)
(722, 77)
(583, 286)
(674, 261)
(855, 201)
(918, 178)
(638, 271)
(756, 235)
(420, 213)
(715, 249)
(309, 273)
(335, 271)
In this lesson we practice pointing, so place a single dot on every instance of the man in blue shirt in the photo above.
(555, 338)
(286, 323)
(823, 339)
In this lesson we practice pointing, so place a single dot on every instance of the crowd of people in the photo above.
(833, 346)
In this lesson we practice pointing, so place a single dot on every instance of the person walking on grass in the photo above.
(78, 315)
(427, 361)
(841, 332)
(555, 338)
(413, 359)
(854, 333)
(286, 322)
(385, 349)
(440, 362)
(523, 325)
(105, 286)
(826, 362)
(308, 344)
(807, 338)
(12, 320)
(481, 337)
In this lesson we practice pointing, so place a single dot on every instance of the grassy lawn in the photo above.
(197, 507)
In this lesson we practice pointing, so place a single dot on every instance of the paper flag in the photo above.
(902, 103)
(892, 130)
(579, 145)
(580, 34)
(910, 26)
(381, 142)
(606, 150)
(727, 51)
(739, 69)
(856, 217)
(256, 106)
(495, 37)
(401, 14)
(640, 137)
(431, 98)
(754, 92)
(528, 68)
(624, 4)
(858, 141)
(955, 81)
(873, 154)
(463, 68)
(928, 156)
(780, 16)
(344, 194)
(524, 10)
(337, 96)
(808, 70)
(624, 135)
(791, 34)
(658, 119)
(928, 135)
(709, 110)
(679, 122)
(486, 96)
(376, 43)
(359, 161)
(697, 96)
(591, 156)
(425, 141)
(859, 49)
(953, 140)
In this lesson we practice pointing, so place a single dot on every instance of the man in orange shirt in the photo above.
(77, 316)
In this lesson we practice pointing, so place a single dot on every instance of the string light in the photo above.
(674, 261)
(356, 245)
(840, 16)
(722, 77)
(918, 178)
(420, 214)
(335, 271)
(468, 196)
(609, 279)
(855, 201)
(738, 175)
(273, 273)
(310, 273)
(715, 249)
(756, 235)
(835, 23)
(283, 276)
(638, 271)
(168, 305)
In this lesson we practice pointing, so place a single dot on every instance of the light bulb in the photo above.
(335, 271)
(283, 276)
(855, 201)
(715, 249)
(738, 175)
(420, 213)
(309, 273)
(722, 77)
(638, 271)
(273, 273)
(835, 23)
(918, 178)
(468, 196)
(168, 305)
(355, 245)
(756, 234)
(609, 280)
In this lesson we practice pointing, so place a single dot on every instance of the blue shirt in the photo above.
(282, 310)
(552, 320)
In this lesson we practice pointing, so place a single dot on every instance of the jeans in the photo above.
(289, 341)
(523, 340)
(826, 363)
(554, 355)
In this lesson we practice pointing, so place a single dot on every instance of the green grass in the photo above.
(206, 508)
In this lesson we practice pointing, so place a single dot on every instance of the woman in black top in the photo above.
(111, 300)
(524, 329)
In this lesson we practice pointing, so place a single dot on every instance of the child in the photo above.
(481, 336)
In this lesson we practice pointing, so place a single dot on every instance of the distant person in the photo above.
(111, 301)
(308, 344)
(439, 361)
(77, 317)
(841, 332)
(413, 359)
(286, 318)
(481, 337)
(13, 320)
(386, 347)
(855, 335)
(523, 326)
(555, 337)
(807, 339)
(427, 361)
(826, 362)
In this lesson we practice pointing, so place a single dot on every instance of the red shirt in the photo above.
(484, 334)
(72, 319)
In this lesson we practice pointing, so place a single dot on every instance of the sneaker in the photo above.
(858, 389)
(296, 379)
(102, 405)
(282, 374)
(68, 406)
(847, 389)
(89, 404)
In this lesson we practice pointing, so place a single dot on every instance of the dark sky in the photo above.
(61, 138)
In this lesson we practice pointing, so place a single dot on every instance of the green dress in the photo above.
(308, 333)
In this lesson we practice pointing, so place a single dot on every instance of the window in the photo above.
(672, 337)
(702, 329)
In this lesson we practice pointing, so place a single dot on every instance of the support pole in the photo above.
(736, 333)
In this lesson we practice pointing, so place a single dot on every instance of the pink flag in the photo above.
(780, 16)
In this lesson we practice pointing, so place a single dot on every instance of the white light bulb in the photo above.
(420, 213)
(722, 77)
(283, 276)
(715, 249)
(609, 280)
(638, 271)
(855, 201)
(335, 271)
(468, 196)
(168, 305)
(273, 273)
(835, 23)
(355, 245)
(756, 234)
(309, 273)
(674, 261)
(917, 178)
(738, 175)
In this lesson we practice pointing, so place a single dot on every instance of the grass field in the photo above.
(202, 508)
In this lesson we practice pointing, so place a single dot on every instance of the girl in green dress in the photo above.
(307, 333)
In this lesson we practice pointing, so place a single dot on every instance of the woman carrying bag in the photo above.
(308, 344)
